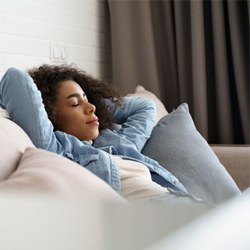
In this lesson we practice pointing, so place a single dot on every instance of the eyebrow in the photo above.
(75, 95)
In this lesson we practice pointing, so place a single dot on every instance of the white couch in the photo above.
(49, 202)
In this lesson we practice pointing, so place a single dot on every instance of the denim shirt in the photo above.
(21, 98)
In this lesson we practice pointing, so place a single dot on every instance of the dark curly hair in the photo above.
(48, 78)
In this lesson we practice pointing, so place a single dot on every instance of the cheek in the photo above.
(64, 120)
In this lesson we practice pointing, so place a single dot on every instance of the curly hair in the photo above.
(48, 78)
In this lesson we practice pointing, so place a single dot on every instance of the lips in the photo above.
(93, 121)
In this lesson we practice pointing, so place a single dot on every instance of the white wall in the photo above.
(28, 29)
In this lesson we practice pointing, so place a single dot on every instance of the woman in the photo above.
(68, 112)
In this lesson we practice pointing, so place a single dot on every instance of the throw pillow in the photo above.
(4, 113)
(14, 141)
(179, 147)
(44, 172)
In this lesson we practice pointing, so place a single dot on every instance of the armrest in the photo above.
(236, 159)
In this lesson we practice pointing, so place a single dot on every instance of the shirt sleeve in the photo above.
(22, 100)
(136, 117)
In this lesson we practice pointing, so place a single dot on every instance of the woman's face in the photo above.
(74, 114)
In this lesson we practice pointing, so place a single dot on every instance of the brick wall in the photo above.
(29, 28)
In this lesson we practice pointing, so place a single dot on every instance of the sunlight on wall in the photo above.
(29, 29)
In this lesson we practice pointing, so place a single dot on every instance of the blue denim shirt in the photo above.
(21, 98)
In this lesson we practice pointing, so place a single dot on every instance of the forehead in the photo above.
(69, 87)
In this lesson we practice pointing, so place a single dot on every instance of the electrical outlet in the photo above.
(59, 52)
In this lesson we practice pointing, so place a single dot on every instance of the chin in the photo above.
(95, 137)
(91, 138)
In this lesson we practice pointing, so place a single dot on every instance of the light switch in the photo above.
(59, 52)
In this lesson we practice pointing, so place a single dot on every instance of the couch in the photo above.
(49, 202)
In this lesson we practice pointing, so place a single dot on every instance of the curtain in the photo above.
(187, 51)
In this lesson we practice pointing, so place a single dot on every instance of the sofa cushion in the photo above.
(14, 141)
(179, 147)
(43, 172)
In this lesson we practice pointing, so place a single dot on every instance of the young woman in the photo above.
(68, 112)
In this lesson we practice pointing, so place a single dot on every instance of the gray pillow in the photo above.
(179, 147)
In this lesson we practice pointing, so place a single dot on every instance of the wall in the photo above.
(29, 29)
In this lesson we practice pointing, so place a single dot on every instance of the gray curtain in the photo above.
(187, 51)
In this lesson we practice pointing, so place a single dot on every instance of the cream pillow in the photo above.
(44, 172)
(14, 141)
(4, 113)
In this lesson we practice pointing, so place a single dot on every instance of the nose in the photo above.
(89, 108)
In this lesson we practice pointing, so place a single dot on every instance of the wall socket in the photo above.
(58, 52)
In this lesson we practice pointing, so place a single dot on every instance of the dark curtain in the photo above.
(187, 51)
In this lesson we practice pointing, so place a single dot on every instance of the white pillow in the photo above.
(14, 141)
(4, 113)
(43, 172)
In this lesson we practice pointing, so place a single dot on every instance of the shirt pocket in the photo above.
(84, 160)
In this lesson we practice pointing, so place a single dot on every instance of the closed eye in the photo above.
(75, 105)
